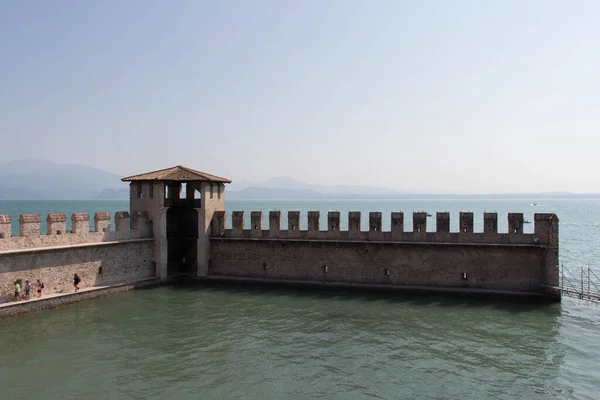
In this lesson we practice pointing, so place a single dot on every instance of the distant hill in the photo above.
(290, 188)
(261, 193)
(40, 179)
(286, 183)
(113, 194)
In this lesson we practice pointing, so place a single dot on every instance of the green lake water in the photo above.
(191, 341)
(223, 342)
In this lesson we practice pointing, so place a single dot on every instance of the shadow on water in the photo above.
(381, 341)
(418, 299)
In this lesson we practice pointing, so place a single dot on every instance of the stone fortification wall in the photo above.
(100, 256)
(136, 226)
(513, 261)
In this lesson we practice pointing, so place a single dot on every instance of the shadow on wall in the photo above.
(98, 254)
(96, 265)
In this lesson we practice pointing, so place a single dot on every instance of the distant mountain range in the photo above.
(286, 183)
(40, 179)
(265, 193)
(292, 189)
(114, 194)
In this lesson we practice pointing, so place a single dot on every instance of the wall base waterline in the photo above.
(409, 289)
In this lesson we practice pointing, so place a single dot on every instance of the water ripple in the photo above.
(181, 342)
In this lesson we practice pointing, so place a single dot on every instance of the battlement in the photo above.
(545, 228)
(135, 227)
(177, 225)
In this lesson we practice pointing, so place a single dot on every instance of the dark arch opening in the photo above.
(182, 240)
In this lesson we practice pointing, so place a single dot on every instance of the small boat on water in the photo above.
(526, 222)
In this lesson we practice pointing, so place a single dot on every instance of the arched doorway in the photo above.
(182, 239)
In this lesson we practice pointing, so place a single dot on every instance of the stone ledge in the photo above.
(8, 310)
(71, 246)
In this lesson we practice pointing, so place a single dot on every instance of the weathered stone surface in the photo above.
(56, 224)
(487, 267)
(29, 225)
(96, 265)
(4, 226)
(512, 261)
(56, 234)
(101, 222)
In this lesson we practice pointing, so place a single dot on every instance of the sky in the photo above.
(462, 96)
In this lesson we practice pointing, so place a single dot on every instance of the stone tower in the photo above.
(179, 203)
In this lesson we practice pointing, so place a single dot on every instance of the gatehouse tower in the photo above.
(178, 204)
(176, 225)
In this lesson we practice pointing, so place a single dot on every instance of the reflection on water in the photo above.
(193, 341)
(237, 342)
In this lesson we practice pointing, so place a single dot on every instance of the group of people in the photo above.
(40, 288)
(28, 290)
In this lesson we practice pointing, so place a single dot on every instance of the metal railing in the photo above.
(583, 283)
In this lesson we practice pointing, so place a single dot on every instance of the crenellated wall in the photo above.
(30, 236)
(99, 255)
(513, 262)
(443, 233)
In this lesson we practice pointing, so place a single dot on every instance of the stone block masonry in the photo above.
(96, 265)
(100, 256)
(29, 230)
(443, 234)
(172, 230)
(500, 268)
(166, 235)
(56, 224)
(511, 262)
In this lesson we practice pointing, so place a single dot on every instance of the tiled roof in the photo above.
(80, 217)
(29, 218)
(52, 217)
(177, 174)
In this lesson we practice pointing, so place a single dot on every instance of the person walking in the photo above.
(76, 280)
(40, 287)
(27, 290)
(17, 291)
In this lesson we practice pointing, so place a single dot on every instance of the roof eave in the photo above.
(134, 179)
(196, 176)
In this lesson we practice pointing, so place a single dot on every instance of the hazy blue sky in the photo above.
(452, 96)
